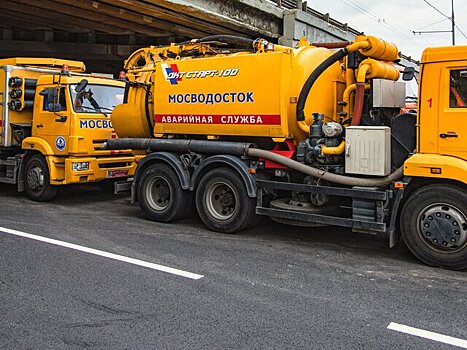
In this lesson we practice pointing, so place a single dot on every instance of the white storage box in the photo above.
(368, 150)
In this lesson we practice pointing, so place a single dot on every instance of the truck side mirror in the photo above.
(408, 74)
(81, 85)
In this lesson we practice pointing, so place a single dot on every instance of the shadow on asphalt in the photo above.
(267, 230)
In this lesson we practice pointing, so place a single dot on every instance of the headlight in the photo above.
(80, 166)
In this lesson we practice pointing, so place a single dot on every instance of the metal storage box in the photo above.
(368, 150)
(388, 94)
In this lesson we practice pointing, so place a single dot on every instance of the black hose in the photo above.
(238, 41)
(179, 145)
(245, 149)
(312, 79)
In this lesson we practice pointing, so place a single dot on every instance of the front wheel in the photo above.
(223, 203)
(434, 226)
(37, 179)
(161, 196)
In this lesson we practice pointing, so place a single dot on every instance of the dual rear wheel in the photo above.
(221, 199)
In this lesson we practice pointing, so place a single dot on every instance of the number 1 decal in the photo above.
(430, 102)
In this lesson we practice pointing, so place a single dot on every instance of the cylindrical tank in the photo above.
(243, 94)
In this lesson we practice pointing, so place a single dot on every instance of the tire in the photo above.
(223, 203)
(160, 195)
(433, 223)
(37, 179)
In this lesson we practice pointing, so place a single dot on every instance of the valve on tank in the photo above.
(327, 135)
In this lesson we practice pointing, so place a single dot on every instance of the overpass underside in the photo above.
(105, 32)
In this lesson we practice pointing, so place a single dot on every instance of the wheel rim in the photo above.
(221, 201)
(443, 228)
(35, 178)
(158, 193)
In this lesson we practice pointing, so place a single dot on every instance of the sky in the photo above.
(395, 20)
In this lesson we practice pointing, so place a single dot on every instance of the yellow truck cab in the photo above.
(54, 121)
(434, 216)
(442, 128)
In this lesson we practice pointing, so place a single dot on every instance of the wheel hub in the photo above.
(35, 178)
(221, 201)
(443, 227)
(158, 193)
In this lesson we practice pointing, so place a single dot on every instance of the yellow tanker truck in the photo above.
(53, 123)
(308, 136)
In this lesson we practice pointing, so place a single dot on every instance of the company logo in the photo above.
(174, 75)
(60, 143)
(171, 73)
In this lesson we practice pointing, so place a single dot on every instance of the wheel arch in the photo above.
(228, 161)
(36, 144)
(418, 182)
(161, 157)
(28, 154)
(412, 185)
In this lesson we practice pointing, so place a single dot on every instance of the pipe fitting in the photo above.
(332, 151)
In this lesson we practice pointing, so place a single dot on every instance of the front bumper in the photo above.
(99, 169)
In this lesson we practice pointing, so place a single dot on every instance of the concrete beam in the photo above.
(179, 22)
(255, 17)
(74, 13)
(139, 21)
(298, 23)
(74, 51)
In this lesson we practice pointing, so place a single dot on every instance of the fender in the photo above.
(394, 234)
(231, 162)
(37, 144)
(451, 168)
(168, 158)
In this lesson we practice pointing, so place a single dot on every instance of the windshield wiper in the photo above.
(106, 108)
(95, 109)
(86, 108)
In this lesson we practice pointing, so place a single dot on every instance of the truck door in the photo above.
(54, 127)
(453, 113)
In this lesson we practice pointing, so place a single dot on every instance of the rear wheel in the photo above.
(37, 179)
(223, 203)
(434, 226)
(161, 196)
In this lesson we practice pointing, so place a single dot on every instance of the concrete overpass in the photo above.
(104, 32)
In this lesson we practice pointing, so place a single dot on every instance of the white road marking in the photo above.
(162, 268)
(428, 335)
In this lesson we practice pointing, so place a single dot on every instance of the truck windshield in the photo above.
(96, 98)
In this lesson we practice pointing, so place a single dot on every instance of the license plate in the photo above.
(111, 174)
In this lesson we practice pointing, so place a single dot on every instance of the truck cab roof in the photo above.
(444, 54)
(53, 63)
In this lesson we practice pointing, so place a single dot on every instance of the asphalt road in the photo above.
(271, 287)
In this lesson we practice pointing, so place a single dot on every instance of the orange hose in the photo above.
(358, 108)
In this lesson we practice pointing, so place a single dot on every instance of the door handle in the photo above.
(39, 126)
(450, 134)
